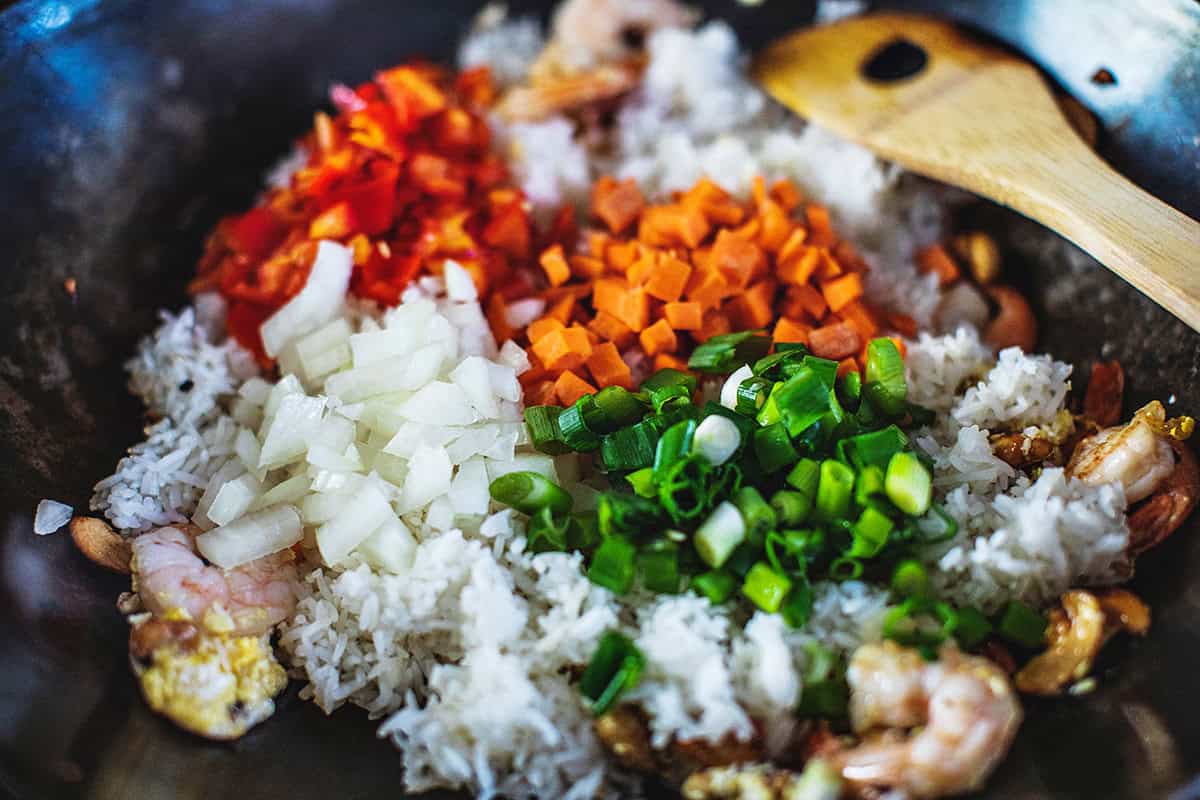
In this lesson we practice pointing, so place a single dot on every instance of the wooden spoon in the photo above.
(978, 117)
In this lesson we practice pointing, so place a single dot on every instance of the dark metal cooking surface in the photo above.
(127, 128)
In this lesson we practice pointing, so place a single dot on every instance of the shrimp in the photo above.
(1014, 323)
(965, 704)
(247, 600)
(1139, 455)
(1165, 511)
(587, 33)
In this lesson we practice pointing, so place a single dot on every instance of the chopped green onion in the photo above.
(971, 627)
(669, 377)
(920, 415)
(805, 476)
(752, 396)
(825, 368)
(615, 667)
(546, 533)
(716, 585)
(909, 623)
(675, 444)
(544, 433)
(682, 489)
(765, 587)
(746, 425)
(659, 565)
(770, 410)
(803, 399)
(799, 546)
(630, 448)
(884, 385)
(773, 447)
(642, 482)
(827, 698)
(791, 508)
(720, 534)
(757, 513)
(575, 431)
(529, 493)
(729, 389)
(742, 560)
(797, 608)
(875, 448)
(621, 513)
(910, 579)
(936, 526)
(834, 490)
(845, 569)
(618, 408)
(849, 388)
(721, 354)
(716, 439)
(1022, 625)
(868, 485)
(871, 533)
(613, 565)
(908, 484)
(725, 481)
(791, 347)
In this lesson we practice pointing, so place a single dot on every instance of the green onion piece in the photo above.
(724, 483)
(618, 408)
(834, 490)
(827, 698)
(798, 606)
(849, 389)
(642, 482)
(910, 579)
(716, 585)
(613, 565)
(791, 508)
(765, 587)
(805, 476)
(752, 395)
(908, 484)
(800, 547)
(845, 569)
(683, 491)
(884, 385)
(630, 448)
(723, 354)
(773, 447)
(971, 627)
(622, 513)
(529, 493)
(720, 534)
(547, 533)
(584, 532)
(757, 513)
(826, 369)
(742, 560)
(544, 433)
(791, 347)
(615, 667)
(659, 564)
(780, 363)
(920, 415)
(675, 444)
(669, 377)
(1022, 625)
(868, 485)
(575, 431)
(803, 399)
(909, 623)
(871, 533)
(770, 410)
(936, 526)
(717, 438)
(746, 425)
(876, 448)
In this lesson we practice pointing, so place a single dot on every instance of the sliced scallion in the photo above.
(884, 383)
(805, 476)
(617, 408)
(908, 484)
(659, 564)
(642, 482)
(1023, 625)
(675, 444)
(716, 585)
(868, 485)
(716, 439)
(971, 627)
(849, 388)
(773, 447)
(910, 579)
(871, 532)
(803, 399)
(875, 448)
(722, 354)
(575, 431)
(765, 587)
(834, 490)
(613, 565)
(845, 569)
(720, 534)
(729, 389)
(615, 668)
(683, 490)
(544, 433)
(791, 508)
(798, 606)
(529, 493)
(752, 395)
(630, 448)
(756, 512)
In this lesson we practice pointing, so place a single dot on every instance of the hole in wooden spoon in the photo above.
(895, 61)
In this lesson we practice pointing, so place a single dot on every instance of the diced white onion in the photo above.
(730, 389)
(390, 548)
(523, 462)
(290, 491)
(316, 304)
(519, 313)
(248, 450)
(513, 355)
(716, 439)
(251, 537)
(255, 390)
(323, 506)
(460, 287)
(228, 471)
(287, 435)
(503, 381)
(358, 518)
(234, 499)
(473, 378)
(429, 472)
(287, 385)
(50, 516)
(328, 337)
(469, 489)
(439, 403)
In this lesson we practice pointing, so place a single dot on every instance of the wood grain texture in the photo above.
(983, 119)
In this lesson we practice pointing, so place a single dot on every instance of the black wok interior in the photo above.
(128, 128)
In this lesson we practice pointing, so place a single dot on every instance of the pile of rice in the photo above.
(466, 657)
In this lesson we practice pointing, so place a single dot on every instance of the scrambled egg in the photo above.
(212, 684)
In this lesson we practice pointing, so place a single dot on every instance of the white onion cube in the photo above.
(390, 548)
(251, 537)
(362, 514)
(429, 472)
(287, 435)
(317, 303)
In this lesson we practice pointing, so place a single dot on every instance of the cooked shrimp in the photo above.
(170, 577)
(586, 33)
(1014, 323)
(1139, 455)
(965, 704)
(1167, 508)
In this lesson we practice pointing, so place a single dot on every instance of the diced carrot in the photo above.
(835, 341)
(707, 287)
(714, 202)
(535, 373)
(793, 245)
(906, 325)
(848, 257)
(555, 293)
(621, 255)
(789, 330)
(752, 308)
(611, 329)
(758, 191)
(541, 327)
(820, 229)
(562, 309)
(640, 271)
(799, 266)
(634, 309)
(739, 261)
(842, 290)
(786, 194)
(684, 316)
(608, 293)
(563, 349)
(862, 318)
(617, 203)
(714, 324)
(935, 259)
(497, 317)
(671, 225)
(668, 279)
(812, 301)
(554, 263)
(776, 227)
(658, 338)
(597, 243)
(846, 365)
(587, 267)
(669, 361)
(608, 368)
(749, 231)
(541, 393)
(570, 387)
(830, 268)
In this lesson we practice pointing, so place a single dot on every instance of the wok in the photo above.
(128, 127)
